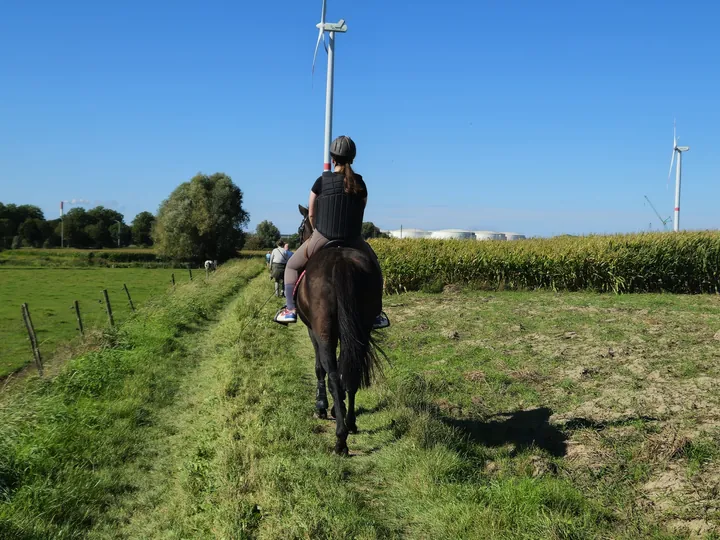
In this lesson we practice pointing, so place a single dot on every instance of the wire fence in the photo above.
(63, 311)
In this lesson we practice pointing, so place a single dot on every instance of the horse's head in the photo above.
(306, 228)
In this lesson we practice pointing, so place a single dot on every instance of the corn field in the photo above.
(687, 262)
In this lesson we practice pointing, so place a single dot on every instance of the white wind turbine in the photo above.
(678, 176)
(331, 28)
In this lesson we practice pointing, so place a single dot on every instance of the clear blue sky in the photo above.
(536, 117)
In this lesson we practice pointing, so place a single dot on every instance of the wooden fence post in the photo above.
(79, 318)
(128, 295)
(108, 307)
(190, 270)
(33, 338)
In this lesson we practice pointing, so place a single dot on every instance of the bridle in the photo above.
(301, 229)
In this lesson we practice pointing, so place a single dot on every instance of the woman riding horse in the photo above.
(336, 210)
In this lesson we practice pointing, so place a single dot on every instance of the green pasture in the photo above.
(50, 292)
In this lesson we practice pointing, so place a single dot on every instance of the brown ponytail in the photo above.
(351, 185)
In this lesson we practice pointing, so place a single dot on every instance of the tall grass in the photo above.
(687, 262)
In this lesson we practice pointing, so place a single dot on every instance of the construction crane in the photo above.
(663, 221)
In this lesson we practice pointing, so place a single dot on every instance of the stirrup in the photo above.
(381, 321)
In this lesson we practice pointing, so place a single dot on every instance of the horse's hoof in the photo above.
(321, 405)
(341, 450)
(321, 414)
(352, 429)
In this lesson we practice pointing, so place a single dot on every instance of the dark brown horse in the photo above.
(338, 300)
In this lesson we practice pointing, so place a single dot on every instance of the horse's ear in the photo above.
(303, 210)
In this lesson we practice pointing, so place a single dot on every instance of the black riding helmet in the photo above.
(343, 149)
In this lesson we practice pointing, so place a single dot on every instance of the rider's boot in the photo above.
(286, 315)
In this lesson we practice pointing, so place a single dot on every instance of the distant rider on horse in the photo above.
(336, 210)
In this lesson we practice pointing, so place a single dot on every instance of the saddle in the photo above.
(330, 244)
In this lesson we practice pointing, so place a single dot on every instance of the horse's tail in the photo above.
(358, 355)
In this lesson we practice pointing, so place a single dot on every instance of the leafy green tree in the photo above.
(12, 216)
(31, 232)
(104, 220)
(142, 229)
(5, 233)
(76, 222)
(125, 234)
(294, 241)
(51, 239)
(202, 219)
(252, 242)
(369, 230)
(267, 234)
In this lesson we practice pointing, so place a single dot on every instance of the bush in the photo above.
(687, 262)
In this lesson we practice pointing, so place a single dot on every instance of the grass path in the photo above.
(180, 493)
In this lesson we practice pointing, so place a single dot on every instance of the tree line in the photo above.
(25, 225)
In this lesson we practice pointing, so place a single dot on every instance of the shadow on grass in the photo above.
(370, 410)
(584, 423)
(523, 429)
(526, 429)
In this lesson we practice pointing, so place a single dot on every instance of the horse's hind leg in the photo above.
(321, 400)
(350, 418)
(327, 355)
(341, 430)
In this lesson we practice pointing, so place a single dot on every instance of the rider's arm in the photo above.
(311, 208)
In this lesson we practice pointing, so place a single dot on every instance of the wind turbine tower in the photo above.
(330, 28)
(678, 176)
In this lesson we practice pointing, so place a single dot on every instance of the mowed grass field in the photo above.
(50, 292)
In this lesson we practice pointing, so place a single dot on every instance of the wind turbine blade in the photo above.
(672, 160)
(321, 34)
(317, 46)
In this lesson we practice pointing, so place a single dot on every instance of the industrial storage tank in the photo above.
(489, 235)
(514, 236)
(409, 233)
(453, 233)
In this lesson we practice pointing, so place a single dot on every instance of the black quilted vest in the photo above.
(339, 215)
